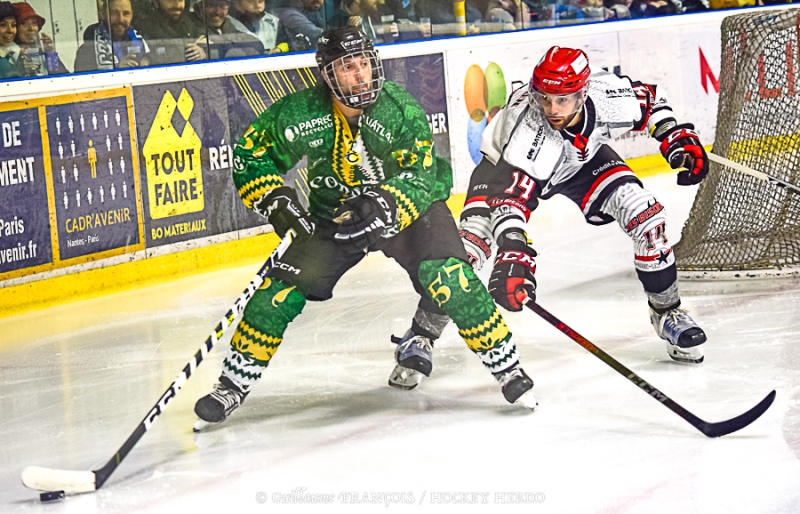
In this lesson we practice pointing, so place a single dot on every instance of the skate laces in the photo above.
(507, 376)
(228, 397)
(421, 342)
(676, 317)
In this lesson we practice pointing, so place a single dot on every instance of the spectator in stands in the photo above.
(595, 10)
(172, 36)
(144, 10)
(647, 8)
(570, 11)
(302, 21)
(440, 12)
(10, 65)
(251, 17)
(37, 50)
(112, 43)
(513, 14)
(621, 8)
(356, 13)
(702, 5)
(224, 39)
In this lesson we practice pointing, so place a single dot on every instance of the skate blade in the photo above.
(692, 355)
(201, 425)
(405, 378)
(528, 400)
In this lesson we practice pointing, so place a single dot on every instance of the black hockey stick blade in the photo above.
(709, 429)
(739, 422)
(71, 481)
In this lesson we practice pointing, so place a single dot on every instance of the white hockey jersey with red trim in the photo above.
(521, 135)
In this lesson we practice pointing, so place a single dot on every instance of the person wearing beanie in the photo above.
(37, 50)
(10, 64)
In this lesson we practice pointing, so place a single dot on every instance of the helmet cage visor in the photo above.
(351, 82)
(557, 105)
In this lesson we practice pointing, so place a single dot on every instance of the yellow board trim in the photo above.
(131, 275)
(44, 132)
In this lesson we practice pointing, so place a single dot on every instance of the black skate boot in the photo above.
(681, 333)
(216, 406)
(414, 359)
(517, 387)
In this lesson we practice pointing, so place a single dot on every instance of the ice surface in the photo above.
(75, 381)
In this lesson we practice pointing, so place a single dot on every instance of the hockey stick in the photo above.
(709, 429)
(753, 173)
(67, 481)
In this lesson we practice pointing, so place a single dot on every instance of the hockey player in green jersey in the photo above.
(376, 184)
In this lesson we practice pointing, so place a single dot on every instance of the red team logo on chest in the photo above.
(580, 143)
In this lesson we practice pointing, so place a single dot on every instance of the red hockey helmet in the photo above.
(562, 71)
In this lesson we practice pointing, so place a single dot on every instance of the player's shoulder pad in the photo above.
(400, 99)
(516, 105)
(295, 108)
(305, 100)
(606, 85)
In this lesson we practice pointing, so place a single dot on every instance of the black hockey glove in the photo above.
(283, 211)
(363, 218)
(681, 147)
(513, 274)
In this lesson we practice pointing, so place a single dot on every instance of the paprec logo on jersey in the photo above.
(291, 133)
(306, 128)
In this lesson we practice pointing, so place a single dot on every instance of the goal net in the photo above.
(738, 222)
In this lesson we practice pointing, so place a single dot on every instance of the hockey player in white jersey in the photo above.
(551, 138)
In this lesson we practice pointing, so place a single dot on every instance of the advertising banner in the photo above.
(94, 176)
(423, 77)
(68, 182)
(688, 70)
(24, 214)
(186, 148)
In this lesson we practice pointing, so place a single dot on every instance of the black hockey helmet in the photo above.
(334, 49)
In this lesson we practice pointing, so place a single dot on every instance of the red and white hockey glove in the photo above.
(513, 274)
(681, 147)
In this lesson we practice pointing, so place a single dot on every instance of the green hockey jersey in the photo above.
(392, 150)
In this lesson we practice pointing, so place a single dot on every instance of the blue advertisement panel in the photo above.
(93, 176)
(24, 217)
(187, 153)
(423, 77)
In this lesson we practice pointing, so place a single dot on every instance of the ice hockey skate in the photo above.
(517, 387)
(681, 333)
(218, 405)
(414, 360)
